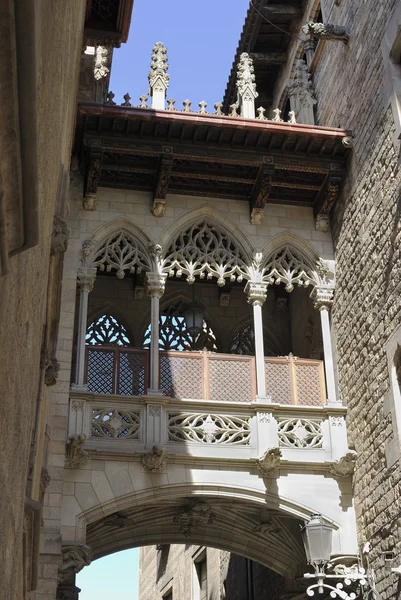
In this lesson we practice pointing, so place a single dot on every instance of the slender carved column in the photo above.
(323, 299)
(86, 280)
(155, 283)
(257, 293)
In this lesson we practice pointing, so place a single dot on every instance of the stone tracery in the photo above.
(123, 253)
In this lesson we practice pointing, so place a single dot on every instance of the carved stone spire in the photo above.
(246, 86)
(302, 95)
(158, 76)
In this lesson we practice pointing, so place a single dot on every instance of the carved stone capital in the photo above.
(322, 298)
(155, 284)
(72, 560)
(191, 519)
(269, 463)
(155, 460)
(86, 278)
(326, 31)
(344, 467)
(256, 292)
(76, 456)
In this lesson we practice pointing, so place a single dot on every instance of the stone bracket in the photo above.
(327, 197)
(92, 177)
(161, 182)
(261, 190)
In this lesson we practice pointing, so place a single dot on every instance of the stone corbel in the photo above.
(60, 235)
(161, 182)
(261, 191)
(76, 456)
(327, 197)
(92, 180)
(72, 560)
(155, 460)
(51, 367)
(269, 463)
(327, 31)
(344, 467)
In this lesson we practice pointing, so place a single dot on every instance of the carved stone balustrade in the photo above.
(166, 428)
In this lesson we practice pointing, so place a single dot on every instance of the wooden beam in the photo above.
(269, 58)
(162, 181)
(282, 10)
(261, 190)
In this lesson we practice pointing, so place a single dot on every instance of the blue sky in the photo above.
(201, 37)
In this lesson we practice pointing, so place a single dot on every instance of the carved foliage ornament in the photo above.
(204, 250)
(344, 467)
(155, 460)
(122, 253)
(269, 463)
(191, 519)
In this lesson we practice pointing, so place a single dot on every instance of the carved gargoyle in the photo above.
(190, 519)
(326, 31)
(155, 460)
(76, 456)
(269, 463)
(345, 465)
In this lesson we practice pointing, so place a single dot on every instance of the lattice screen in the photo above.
(278, 382)
(230, 380)
(131, 380)
(100, 371)
(181, 377)
(308, 385)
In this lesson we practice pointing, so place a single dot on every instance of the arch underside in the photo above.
(266, 536)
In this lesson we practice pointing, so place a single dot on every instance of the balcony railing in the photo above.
(205, 376)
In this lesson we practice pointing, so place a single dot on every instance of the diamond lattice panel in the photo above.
(308, 385)
(181, 377)
(100, 371)
(278, 382)
(230, 380)
(131, 381)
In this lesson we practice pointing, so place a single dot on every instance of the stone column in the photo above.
(323, 299)
(86, 280)
(155, 283)
(257, 293)
(73, 559)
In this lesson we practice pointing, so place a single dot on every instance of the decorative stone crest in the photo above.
(191, 519)
(72, 560)
(60, 235)
(155, 460)
(76, 456)
(344, 467)
(100, 70)
(246, 86)
(326, 31)
(269, 463)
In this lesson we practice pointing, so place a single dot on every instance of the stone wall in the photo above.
(24, 289)
(351, 88)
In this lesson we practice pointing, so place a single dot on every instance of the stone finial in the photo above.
(187, 106)
(143, 99)
(233, 110)
(246, 86)
(291, 117)
(218, 106)
(171, 106)
(110, 100)
(155, 460)
(261, 113)
(100, 69)
(277, 116)
(326, 31)
(202, 107)
(344, 467)
(76, 456)
(269, 463)
(191, 519)
(127, 99)
(158, 76)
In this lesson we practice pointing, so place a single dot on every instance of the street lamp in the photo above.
(316, 536)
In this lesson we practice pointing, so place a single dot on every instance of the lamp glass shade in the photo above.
(316, 536)
(194, 320)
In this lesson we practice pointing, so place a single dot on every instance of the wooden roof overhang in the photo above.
(107, 22)
(267, 43)
(204, 155)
